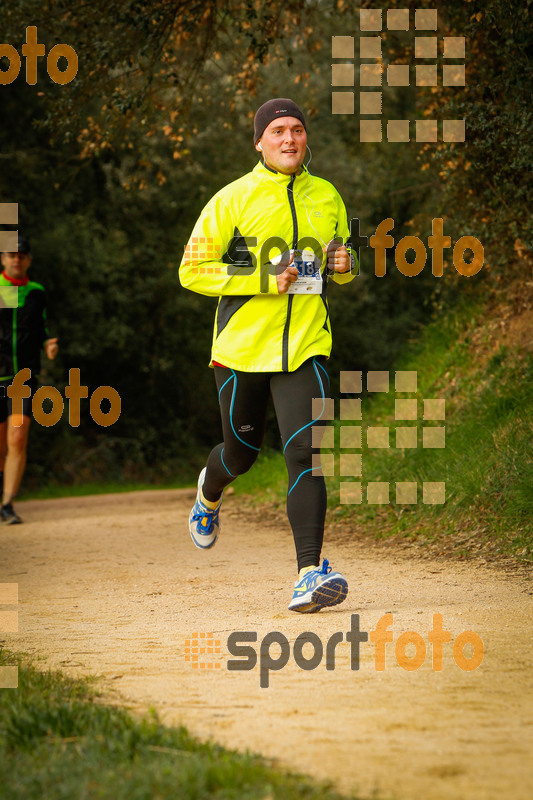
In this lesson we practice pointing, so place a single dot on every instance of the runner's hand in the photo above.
(285, 274)
(338, 257)
(51, 348)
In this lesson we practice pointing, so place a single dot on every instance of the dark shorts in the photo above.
(6, 403)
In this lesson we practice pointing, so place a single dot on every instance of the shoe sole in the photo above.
(308, 608)
(195, 542)
(330, 593)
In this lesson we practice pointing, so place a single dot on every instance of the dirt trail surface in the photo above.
(112, 586)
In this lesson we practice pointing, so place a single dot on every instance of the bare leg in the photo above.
(15, 462)
(3, 443)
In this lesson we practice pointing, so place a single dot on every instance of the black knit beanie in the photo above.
(271, 110)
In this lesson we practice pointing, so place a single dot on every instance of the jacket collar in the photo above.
(14, 281)
(264, 173)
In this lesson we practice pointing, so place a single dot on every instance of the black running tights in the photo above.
(299, 403)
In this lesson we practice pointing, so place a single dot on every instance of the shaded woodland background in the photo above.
(111, 171)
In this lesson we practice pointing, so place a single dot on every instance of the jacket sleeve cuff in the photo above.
(346, 277)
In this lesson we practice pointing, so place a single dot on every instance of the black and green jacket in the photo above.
(22, 327)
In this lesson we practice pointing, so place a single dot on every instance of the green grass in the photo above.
(109, 487)
(57, 741)
(487, 461)
(267, 479)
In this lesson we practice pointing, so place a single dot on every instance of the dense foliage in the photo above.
(111, 170)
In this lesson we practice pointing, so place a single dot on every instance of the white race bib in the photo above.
(309, 280)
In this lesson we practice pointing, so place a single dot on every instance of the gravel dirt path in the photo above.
(112, 586)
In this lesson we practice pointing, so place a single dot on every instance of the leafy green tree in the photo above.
(111, 171)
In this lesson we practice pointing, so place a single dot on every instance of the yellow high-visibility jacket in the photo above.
(229, 256)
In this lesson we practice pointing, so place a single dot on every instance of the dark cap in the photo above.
(23, 246)
(271, 110)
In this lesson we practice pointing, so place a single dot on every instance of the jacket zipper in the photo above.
(285, 344)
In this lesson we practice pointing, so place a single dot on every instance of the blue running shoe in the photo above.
(318, 588)
(203, 522)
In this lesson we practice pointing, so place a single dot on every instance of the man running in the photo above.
(272, 332)
(23, 333)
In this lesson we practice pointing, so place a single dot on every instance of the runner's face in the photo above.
(16, 265)
(283, 145)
